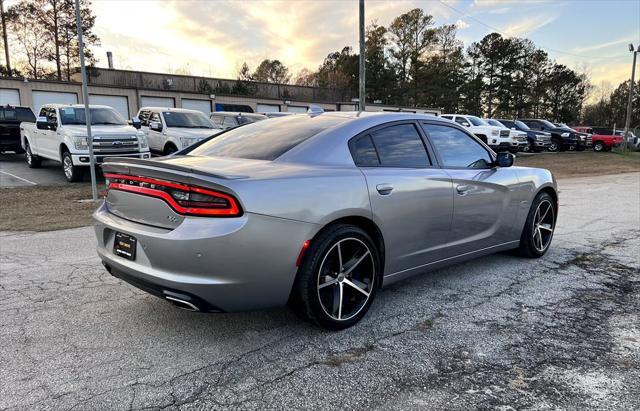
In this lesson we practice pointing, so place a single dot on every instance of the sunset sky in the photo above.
(213, 38)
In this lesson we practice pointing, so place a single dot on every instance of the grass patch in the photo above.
(46, 208)
(583, 164)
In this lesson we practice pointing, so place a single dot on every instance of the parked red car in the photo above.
(603, 139)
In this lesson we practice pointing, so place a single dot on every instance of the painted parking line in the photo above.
(18, 178)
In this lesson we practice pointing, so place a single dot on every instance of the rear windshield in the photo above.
(268, 139)
(17, 114)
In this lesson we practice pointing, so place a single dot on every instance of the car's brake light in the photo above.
(184, 199)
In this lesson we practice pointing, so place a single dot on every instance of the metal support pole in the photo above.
(85, 98)
(631, 87)
(362, 90)
(4, 38)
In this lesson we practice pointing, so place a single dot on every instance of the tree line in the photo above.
(42, 38)
(415, 63)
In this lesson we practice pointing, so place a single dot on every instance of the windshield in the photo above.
(495, 123)
(186, 119)
(99, 116)
(476, 121)
(266, 140)
(246, 119)
(521, 126)
(547, 124)
(17, 114)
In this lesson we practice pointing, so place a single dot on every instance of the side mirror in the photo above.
(155, 126)
(42, 123)
(505, 159)
(135, 122)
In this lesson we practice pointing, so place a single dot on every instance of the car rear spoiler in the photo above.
(123, 165)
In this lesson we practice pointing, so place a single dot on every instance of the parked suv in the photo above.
(225, 119)
(604, 139)
(538, 140)
(561, 139)
(585, 138)
(519, 140)
(10, 119)
(495, 137)
(171, 129)
(60, 134)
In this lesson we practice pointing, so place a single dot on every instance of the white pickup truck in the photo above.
(60, 134)
(171, 129)
(494, 137)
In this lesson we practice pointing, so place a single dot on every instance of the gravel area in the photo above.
(500, 332)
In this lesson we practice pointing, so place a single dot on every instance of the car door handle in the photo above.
(384, 189)
(462, 189)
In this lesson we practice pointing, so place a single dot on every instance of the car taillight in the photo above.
(184, 199)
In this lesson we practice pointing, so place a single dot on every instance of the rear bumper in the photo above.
(83, 159)
(217, 264)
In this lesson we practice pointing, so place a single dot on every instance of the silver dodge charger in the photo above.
(318, 211)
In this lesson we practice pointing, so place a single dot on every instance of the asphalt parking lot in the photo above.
(14, 172)
(499, 332)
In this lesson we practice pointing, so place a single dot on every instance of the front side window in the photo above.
(154, 118)
(99, 116)
(144, 117)
(456, 148)
(182, 119)
(217, 120)
(400, 146)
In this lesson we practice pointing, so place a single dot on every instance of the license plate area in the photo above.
(124, 246)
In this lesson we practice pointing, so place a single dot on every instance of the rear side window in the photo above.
(400, 146)
(364, 152)
(266, 140)
(456, 148)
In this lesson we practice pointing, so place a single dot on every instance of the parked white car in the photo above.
(171, 129)
(519, 140)
(495, 137)
(60, 134)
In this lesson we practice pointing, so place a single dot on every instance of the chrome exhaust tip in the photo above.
(185, 305)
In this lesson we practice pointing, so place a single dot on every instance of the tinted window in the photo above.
(266, 140)
(400, 146)
(144, 117)
(456, 148)
(508, 123)
(184, 119)
(603, 131)
(364, 152)
(217, 120)
(229, 122)
(462, 120)
(104, 116)
(17, 114)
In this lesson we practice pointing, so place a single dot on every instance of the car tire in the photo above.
(33, 161)
(169, 149)
(338, 277)
(555, 145)
(72, 173)
(539, 227)
(598, 146)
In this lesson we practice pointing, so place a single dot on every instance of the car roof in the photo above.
(58, 105)
(182, 110)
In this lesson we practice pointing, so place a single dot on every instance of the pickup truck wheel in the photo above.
(71, 172)
(170, 149)
(555, 145)
(33, 161)
(598, 146)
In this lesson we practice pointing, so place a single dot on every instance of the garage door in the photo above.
(267, 108)
(119, 103)
(51, 97)
(200, 105)
(157, 101)
(297, 109)
(9, 96)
